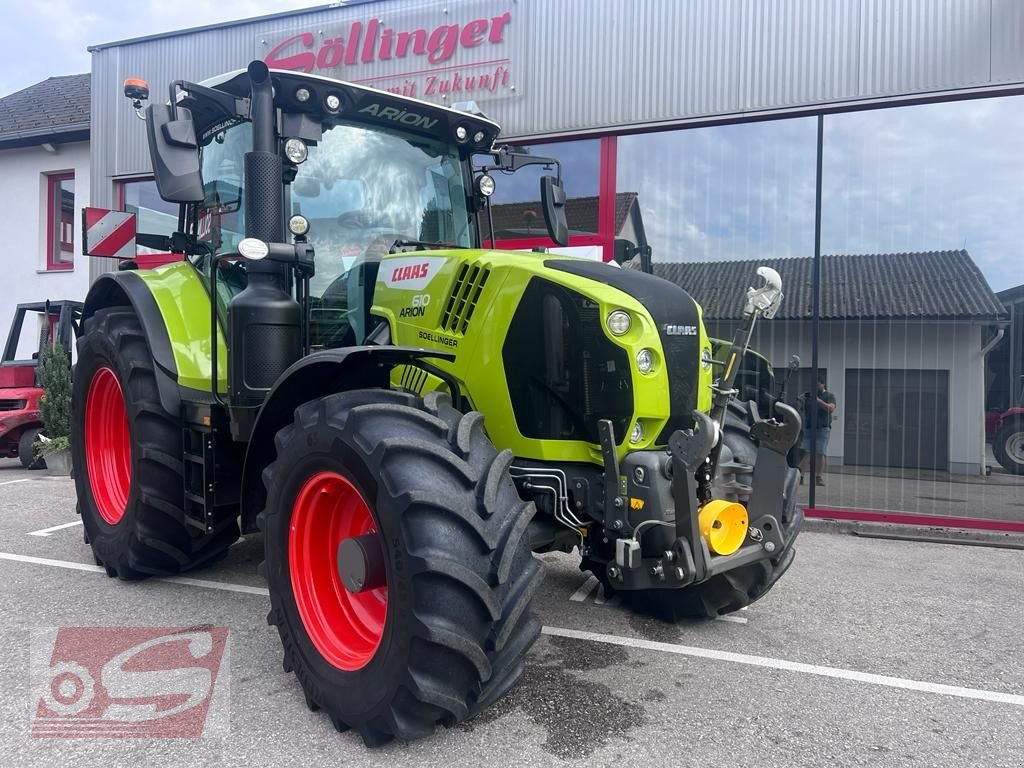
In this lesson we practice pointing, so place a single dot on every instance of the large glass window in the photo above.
(920, 225)
(516, 208)
(60, 221)
(722, 192)
(154, 215)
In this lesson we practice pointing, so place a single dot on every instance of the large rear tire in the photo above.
(1008, 446)
(127, 451)
(444, 631)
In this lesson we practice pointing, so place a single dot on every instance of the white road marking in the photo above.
(791, 666)
(634, 642)
(205, 584)
(12, 482)
(51, 529)
(733, 619)
(585, 589)
(600, 599)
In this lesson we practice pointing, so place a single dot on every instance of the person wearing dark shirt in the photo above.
(825, 402)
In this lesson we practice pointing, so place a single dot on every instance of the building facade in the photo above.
(44, 164)
(737, 130)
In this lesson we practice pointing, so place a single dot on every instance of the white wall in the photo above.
(23, 274)
(898, 345)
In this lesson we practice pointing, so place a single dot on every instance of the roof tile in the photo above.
(895, 285)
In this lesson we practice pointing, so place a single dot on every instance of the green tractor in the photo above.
(407, 417)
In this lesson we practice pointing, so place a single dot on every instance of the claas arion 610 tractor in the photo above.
(336, 362)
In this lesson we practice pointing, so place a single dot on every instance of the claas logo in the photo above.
(636, 503)
(410, 272)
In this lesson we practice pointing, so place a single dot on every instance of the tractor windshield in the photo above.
(361, 189)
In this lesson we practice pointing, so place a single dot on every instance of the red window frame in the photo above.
(605, 235)
(53, 215)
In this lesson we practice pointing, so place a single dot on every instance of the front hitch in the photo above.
(687, 558)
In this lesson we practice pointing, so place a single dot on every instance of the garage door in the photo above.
(896, 419)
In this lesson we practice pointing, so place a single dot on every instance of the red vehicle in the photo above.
(20, 422)
(1006, 431)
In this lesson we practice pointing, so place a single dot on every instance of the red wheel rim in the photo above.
(108, 452)
(345, 627)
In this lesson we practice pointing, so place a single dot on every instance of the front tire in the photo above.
(127, 451)
(1008, 446)
(444, 631)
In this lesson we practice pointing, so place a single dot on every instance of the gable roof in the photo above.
(934, 284)
(581, 213)
(57, 109)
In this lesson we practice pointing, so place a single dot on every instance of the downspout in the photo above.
(995, 340)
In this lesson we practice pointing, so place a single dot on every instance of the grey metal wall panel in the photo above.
(1007, 40)
(909, 46)
(798, 52)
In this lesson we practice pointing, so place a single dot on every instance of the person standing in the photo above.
(825, 402)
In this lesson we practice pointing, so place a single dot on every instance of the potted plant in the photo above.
(55, 409)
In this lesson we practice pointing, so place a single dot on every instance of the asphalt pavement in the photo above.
(868, 652)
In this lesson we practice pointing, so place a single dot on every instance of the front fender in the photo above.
(316, 375)
(173, 307)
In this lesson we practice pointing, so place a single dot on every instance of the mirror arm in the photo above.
(230, 106)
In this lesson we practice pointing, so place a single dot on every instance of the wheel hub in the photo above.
(361, 563)
(1015, 447)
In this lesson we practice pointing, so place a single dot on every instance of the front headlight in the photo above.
(619, 322)
(645, 360)
(706, 358)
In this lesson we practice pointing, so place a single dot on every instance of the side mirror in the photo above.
(624, 251)
(552, 198)
(174, 152)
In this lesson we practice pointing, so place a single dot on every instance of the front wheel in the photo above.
(1008, 446)
(400, 575)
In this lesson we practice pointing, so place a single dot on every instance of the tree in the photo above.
(55, 405)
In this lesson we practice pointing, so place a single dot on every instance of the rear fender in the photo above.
(316, 375)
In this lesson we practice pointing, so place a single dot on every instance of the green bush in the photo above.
(55, 405)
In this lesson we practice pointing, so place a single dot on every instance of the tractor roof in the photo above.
(357, 103)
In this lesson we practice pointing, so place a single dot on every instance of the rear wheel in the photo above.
(27, 450)
(1008, 446)
(128, 453)
(400, 575)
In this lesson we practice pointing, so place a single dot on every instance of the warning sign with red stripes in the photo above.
(108, 233)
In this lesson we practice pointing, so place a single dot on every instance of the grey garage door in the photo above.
(896, 419)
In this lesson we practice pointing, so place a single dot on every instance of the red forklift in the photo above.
(49, 322)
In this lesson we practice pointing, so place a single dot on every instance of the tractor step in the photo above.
(210, 496)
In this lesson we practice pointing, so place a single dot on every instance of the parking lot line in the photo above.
(12, 482)
(790, 666)
(203, 583)
(52, 528)
(631, 642)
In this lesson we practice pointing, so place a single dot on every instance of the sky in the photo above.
(52, 35)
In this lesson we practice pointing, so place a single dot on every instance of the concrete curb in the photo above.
(944, 535)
